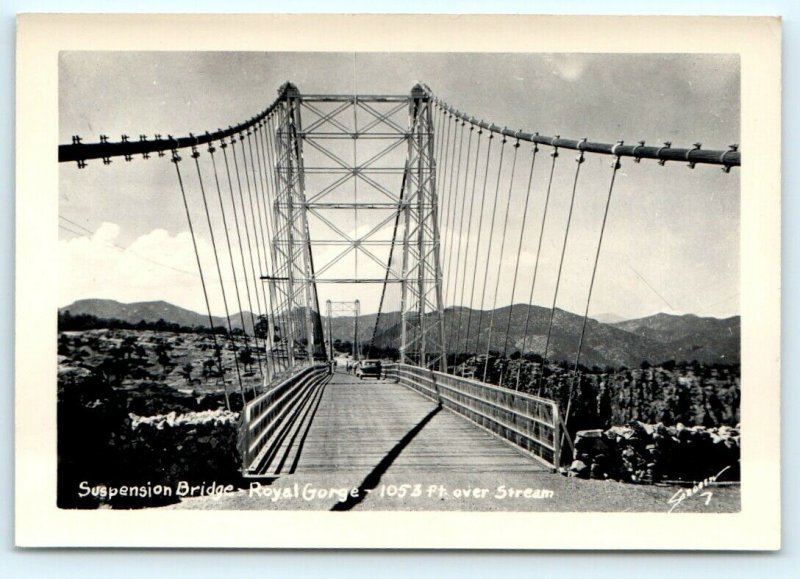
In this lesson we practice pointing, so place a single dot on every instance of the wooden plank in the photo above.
(358, 423)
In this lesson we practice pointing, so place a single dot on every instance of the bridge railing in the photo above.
(264, 417)
(528, 422)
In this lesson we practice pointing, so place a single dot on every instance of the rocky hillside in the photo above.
(657, 338)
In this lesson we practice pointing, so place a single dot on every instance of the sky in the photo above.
(672, 238)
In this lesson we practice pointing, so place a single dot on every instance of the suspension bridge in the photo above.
(435, 209)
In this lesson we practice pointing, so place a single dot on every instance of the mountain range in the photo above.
(152, 312)
(656, 338)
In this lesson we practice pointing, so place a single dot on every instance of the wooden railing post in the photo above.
(556, 437)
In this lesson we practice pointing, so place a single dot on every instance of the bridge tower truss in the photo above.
(292, 284)
(361, 171)
(352, 309)
(422, 316)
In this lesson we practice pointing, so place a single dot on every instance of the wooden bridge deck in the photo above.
(372, 426)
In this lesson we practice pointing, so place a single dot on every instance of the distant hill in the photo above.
(608, 318)
(150, 312)
(691, 337)
(655, 338)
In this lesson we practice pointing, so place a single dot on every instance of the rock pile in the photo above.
(140, 434)
(645, 453)
(148, 398)
(193, 446)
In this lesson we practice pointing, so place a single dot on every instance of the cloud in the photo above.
(155, 266)
(569, 67)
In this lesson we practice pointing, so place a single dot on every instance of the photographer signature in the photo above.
(683, 494)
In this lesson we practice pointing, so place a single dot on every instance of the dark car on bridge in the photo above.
(369, 368)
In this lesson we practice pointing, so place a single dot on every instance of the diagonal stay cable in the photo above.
(500, 259)
(491, 238)
(453, 194)
(454, 282)
(211, 151)
(469, 240)
(554, 155)
(249, 250)
(579, 160)
(176, 159)
(519, 249)
(615, 167)
(196, 156)
(478, 244)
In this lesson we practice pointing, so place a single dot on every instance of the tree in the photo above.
(211, 368)
(163, 358)
(186, 372)
(114, 368)
(140, 352)
(261, 329)
(64, 346)
(246, 358)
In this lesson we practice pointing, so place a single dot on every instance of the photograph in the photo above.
(371, 293)
(421, 284)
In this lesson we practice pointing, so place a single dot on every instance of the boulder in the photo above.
(579, 469)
